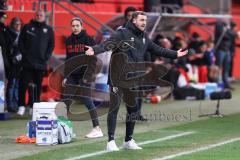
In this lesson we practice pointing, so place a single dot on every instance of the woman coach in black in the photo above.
(75, 44)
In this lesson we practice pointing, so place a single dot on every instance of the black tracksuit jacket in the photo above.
(141, 50)
(36, 43)
(6, 46)
(75, 45)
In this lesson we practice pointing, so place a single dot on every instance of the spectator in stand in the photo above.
(158, 39)
(173, 72)
(197, 57)
(15, 65)
(36, 43)
(166, 43)
(163, 42)
(194, 41)
(177, 44)
(200, 60)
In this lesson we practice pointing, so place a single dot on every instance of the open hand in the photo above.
(89, 51)
(181, 53)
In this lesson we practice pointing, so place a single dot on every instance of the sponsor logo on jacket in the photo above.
(73, 48)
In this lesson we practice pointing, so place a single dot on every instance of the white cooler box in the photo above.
(46, 132)
(49, 109)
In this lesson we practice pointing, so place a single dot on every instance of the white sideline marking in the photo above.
(141, 143)
(198, 149)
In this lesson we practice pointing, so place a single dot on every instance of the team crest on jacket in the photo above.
(45, 30)
(32, 28)
(132, 39)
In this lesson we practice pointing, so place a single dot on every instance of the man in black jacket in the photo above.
(5, 42)
(140, 45)
(75, 47)
(36, 43)
(128, 16)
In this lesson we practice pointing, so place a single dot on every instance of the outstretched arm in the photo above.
(107, 45)
(163, 52)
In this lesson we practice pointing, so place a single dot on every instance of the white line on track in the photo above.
(141, 143)
(204, 148)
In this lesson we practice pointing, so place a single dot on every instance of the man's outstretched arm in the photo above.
(163, 52)
(107, 45)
